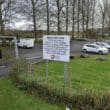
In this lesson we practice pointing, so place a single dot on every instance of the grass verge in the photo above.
(11, 98)
(89, 82)
(88, 73)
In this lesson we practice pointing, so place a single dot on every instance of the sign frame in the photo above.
(56, 47)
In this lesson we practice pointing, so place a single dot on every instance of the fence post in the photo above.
(16, 48)
(46, 71)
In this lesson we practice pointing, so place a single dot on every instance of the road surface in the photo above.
(75, 48)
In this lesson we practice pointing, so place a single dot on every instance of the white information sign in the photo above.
(56, 47)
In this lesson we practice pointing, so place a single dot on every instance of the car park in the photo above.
(94, 49)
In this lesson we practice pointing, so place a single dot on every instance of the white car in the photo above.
(103, 44)
(94, 49)
(26, 42)
(107, 41)
(97, 43)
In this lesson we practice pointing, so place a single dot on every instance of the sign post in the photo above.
(56, 48)
(65, 74)
(46, 71)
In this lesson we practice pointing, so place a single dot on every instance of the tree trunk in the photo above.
(87, 23)
(103, 26)
(58, 17)
(66, 16)
(34, 19)
(73, 23)
(93, 15)
(48, 18)
(83, 19)
(109, 27)
(78, 22)
(87, 18)
(1, 21)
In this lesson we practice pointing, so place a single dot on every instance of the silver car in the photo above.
(103, 44)
(94, 49)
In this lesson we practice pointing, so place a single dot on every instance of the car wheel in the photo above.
(100, 53)
(84, 50)
(18, 46)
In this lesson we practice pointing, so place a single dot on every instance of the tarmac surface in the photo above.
(75, 48)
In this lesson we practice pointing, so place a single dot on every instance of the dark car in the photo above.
(82, 39)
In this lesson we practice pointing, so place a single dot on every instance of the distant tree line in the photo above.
(81, 17)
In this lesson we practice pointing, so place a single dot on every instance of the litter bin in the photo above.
(0, 54)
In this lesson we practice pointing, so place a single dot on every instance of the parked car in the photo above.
(103, 44)
(107, 41)
(26, 42)
(81, 39)
(94, 49)
(97, 43)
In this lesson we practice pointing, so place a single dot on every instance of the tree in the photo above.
(83, 17)
(5, 7)
(108, 18)
(58, 16)
(103, 11)
(33, 2)
(87, 16)
(67, 16)
(48, 19)
(31, 10)
(94, 2)
(1, 18)
(73, 17)
(78, 17)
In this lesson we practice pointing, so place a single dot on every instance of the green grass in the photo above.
(11, 98)
(85, 74)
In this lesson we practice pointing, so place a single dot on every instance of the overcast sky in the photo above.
(24, 24)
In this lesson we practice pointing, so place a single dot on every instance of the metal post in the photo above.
(65, 74)
(46, 70)
(16, 48)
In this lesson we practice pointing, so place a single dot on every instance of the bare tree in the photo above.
(93, 17)
(31, 10)
(78, 18)
(108, 18)
(48, 19)
(55, 15)
(58, 16)
(1, 18)
(73, 17)
(87, 16)
(83, 17)
(94, 2)
(67, 16)
(103, 11)
(33, 2)
(4, 14)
